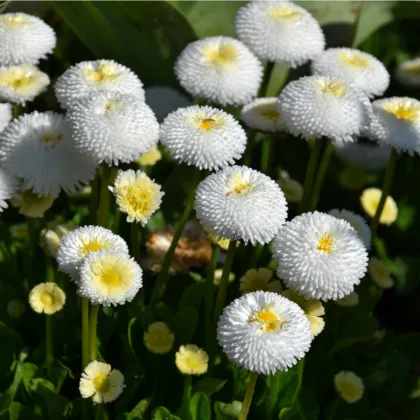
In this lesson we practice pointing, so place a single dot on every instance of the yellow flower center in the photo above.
(403, 110)
(193, 361)
(220, 55)
(110, 277)
(101, 383)
(104, 73)
(334, 87)
(91, 247)
(207, 124)
(325, 244)
(47, 299)
(268, 320)
(238, 185)
(51, 139)
(271, 115)
(14, 20)
(354, 59)
(283, 13)
(16, 78)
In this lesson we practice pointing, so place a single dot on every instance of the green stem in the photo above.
(251, 134)
(248, 396)
(185, 408)
(266, 79)
(310, 174)
(49, 344)
(85, 332)
(93, 321)
(208, 299)
(135, 241)
(49, 269)
(16, 110)
(104, 197)
(386, 187)
(356, 24)
(322, 170)
(93, 199)
(266, 152)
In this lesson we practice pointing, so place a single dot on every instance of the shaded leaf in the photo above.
(209, 386)
(200, 407)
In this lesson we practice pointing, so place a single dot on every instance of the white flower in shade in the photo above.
(363, 70)
(220, 70)
(408, 73)
(370, 198)
(136, 195)
(113, 127)
(86, 77)
(262, 114)
(349, 386)
(158, 338)
(319, 256)
(39, 149)
(101, 383)
(279, 31)
(6, 115)
(348, 301)
(24, 39)
(32, 205)
(47, 298)
(264, 332)
(75, 245)
(241, 203)
(20, 84)
(8, 188)
(163, 100)
(150, 158)
(357, 222)
(203, 136)
(317, 106)
(109, 278)
(396, 123)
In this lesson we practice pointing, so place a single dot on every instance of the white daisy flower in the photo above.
(163, 100)
(39, 149)
(317, 106)
(100, 383)
(47, 298)
(203, 136)
(109, 278)
(241, 203)
(357, 222)
(279, 31)
(363, 70)
(86, 77)
(396, 123)
(136, 195)
(264, 332)
(21, 84)
(75, 245)
(319, 256)
(8, 188)
(24, 39)
(113, 127)
(6, 115)
(219, 69)
(408, 73)
(262, 114)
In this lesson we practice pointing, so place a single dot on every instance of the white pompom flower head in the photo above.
(264, 332)
(109, 278)
(113, 127)
(279, 31)
(39, 149)
(8, 187)
(25, 39)
(6, 115)
(319, 256)
(219, 69)
(77, 244)
(263, 114)
(317, 106)
(86, 77)
(362, 69)
(21, 84)
(202, 136)
(240, 203)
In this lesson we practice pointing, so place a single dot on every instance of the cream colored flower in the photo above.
(191, 360)
(349, 386)
(47, 298)
(50, 238)
(380, 273)
(159, 339)
(218, 277)
(32, 205)
(370, 200)
(150, 158)
(293, 190)
(350, 300)
(255, 280)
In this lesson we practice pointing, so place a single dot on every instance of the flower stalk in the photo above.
(93, 321)
(248, 396)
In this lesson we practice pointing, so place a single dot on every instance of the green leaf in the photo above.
(200, 407)
(141, 407)
(161, 413)
(193, 295)
(209, 386)
(184, 324)
(17, 411)
(6, 330)
(224, 411)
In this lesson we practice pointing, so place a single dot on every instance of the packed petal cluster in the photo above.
(113, 127)
(8, 188)
(349, 386)
(264, 332)
(5, 115)
(363, 70)
(39, 149)
(220, 70)
(370, 200)
(279, 31)
(81, 80)
(21, 84)
(241, 203)
(47, 298)
(408, 73)
(158, 338)
(317, 106)
(254, 280)
(319, 256)
(262, 114)
(31, 204)
(101, 383)
(203, 136)
(24, 39)
(191, 360)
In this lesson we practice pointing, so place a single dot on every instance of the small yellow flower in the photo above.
(50, 238)
(159, 339)
(379, 273)
(150, 158)
(222, 242)
(350, 300)
(292, 189)
(370, 200)
(32, 205)
(47, 298)
(349, 386)
(313, 309)
(255, 280)
(218, 276)
(191, 360)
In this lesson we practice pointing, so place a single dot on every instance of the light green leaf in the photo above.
(200, 407)
(161, 413)
(209, 386)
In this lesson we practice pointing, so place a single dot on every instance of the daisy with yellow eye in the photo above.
(262, 114)
(191, 360)
(408, 73)
(47, 298)
(158, 338)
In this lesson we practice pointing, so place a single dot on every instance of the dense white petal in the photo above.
(6, 115)
(262, 114)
